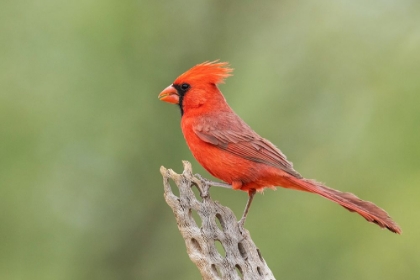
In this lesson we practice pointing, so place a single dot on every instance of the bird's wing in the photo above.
(230, 133)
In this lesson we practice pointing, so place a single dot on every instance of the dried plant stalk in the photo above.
(242, 259)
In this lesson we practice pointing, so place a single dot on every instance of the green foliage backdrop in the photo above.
(335, 84)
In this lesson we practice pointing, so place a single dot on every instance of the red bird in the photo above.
(230, 150)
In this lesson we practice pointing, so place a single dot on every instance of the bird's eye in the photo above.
(185, 86)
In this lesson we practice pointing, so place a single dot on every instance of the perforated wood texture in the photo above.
(241, 260)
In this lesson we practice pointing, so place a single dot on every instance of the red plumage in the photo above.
(231, 151)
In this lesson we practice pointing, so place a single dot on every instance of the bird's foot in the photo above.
(203, 188)
(212, 183)
(241, 224)
(199, 177)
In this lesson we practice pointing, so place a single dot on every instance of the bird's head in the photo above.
(197, 86)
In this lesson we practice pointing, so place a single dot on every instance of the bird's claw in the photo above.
(212, 183)
(241, 224)
(199, 177)
(203, 189)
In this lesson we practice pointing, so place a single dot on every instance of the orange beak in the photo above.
(169, 95)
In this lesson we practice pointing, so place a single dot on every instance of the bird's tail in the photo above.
(366, 209)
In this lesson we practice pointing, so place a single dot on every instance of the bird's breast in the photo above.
(227, 166)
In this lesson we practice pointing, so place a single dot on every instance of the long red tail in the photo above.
(366, 209)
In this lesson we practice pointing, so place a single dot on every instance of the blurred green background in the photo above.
(335, 84)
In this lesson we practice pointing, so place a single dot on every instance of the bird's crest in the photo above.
(213, 72)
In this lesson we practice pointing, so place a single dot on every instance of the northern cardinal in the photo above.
(230, 150)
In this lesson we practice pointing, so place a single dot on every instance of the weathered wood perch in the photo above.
(243, 260)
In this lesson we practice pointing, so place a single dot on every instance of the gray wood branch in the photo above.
(242, 259)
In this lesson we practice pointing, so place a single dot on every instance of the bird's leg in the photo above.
(212, 183)
(251, 194)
